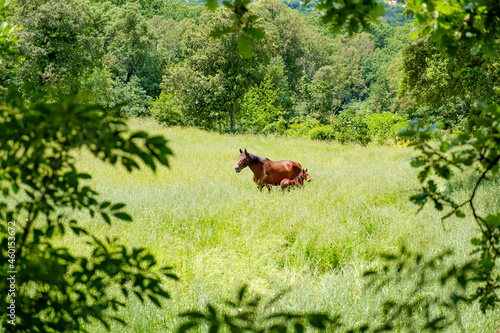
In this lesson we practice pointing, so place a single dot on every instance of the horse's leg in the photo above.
(256, 181)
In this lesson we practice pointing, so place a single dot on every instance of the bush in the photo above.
(278, 127)
(164, 110)
(351, 129)
(134, 99)
(385, 126)
(301, 126)
(324, 132)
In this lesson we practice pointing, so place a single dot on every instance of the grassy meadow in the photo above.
(219, 232)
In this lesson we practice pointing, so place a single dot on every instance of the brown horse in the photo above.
(297, 182)
(267, 172)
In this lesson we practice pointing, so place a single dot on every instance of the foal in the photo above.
(297, 182)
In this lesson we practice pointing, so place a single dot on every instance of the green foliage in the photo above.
(300, 46)
(444, 89)
(261, 108)
(198, 98)
(179, 10)
(319, 76)
(353, 14)
(100, 88)
(325, 93)
(8, 35)
(131, 48)
(242, 23)
(170, 38)
(351, 129)
(132, 99)
(56, 289)
(416, 309)
(210, 84)
(478, 149)
(302, 126)
(165, 110)
(127, 99)
(148, 8)
(395, 15)
(382, 70)
(324, 132)
(460, 24)
(60, 42)
(385, 126)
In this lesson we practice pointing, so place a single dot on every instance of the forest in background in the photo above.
(156, 58)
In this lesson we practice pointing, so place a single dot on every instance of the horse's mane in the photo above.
(253, 158)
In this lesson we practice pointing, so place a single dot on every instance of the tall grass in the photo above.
(219, 231)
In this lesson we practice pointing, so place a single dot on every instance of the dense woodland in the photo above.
(156, 58)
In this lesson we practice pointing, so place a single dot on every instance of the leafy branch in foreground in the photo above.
(246, 314)
(418, 309)
(244, 23)
(477, 150)
(55, 289)
(354, 15)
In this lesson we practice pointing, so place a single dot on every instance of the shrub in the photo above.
(324, 132)
(133, 99)
(351, 129)
(165, 110)
(277, 127)
(301, 126)
(385, 126)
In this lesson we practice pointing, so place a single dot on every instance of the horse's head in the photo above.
(305, 175)
(242, 161)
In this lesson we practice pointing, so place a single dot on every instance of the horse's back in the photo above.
(279, 170)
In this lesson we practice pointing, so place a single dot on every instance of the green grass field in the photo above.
(219, 231)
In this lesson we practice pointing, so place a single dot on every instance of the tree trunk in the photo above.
(127, 78)
(233, 122)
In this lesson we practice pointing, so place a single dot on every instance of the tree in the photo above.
(131, 48)
(148, 8)
(327, 91)
(196, 97)
(60, 43)
(8, 48)
(300, 46)
(447, 86)
(262, 108)
(209, 86)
